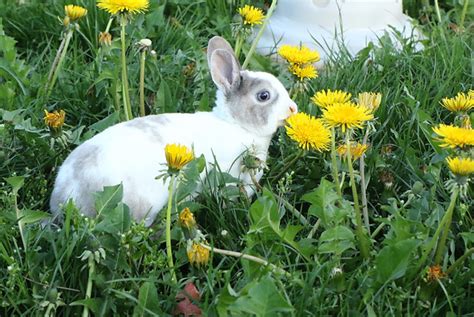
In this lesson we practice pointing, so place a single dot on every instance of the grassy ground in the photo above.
(122, 266)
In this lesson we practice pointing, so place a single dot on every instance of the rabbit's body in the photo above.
(132, 153)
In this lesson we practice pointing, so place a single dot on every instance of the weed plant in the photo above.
(298, 222)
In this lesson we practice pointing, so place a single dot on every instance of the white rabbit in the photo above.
(250, 107)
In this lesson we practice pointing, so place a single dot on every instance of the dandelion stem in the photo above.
(169, 251)
(335, 170)
(247, 257)
(438, 13)
(142, 82)
(293, 210)
(434, 239)
(238, 45)
(259, 34)
(314, 229)
(126, 97)
(363, 186)
(447, 224)
(288, 165)
(91, 264)
(109, 24)
(56, 68)
(364, 249)
(464, 12)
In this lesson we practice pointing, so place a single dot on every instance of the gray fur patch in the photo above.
(149, 125)
(244, 106)
(85, 156)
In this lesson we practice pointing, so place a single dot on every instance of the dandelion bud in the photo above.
(105, 38)
(66, 21)
(370, 100)
(434, 273)
(357, 150)
(186, 219)
(197, 254)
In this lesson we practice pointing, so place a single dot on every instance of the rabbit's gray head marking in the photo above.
(257, 101)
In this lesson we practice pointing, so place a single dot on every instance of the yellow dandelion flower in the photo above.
(54, 119)
(461, 166)
(470, 94)
(370, 100)
(298, 55)
(460, 103)
(452, 136)
(327, 98)
(74, 12)
(346, 116)
(251, 15)
(357, 150)
(186, 219)
(308, 132)
(177, 156)
(123, 6)
(197, 254)
(303, 72)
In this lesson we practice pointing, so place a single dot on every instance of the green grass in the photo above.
(52, 273)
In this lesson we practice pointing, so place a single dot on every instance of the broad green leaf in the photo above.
(322, 201)
(392, 261)
(262, 299)
(94, 304)
(290, 232)
(115, 220)
(265, 220)
(264, 215)
(16, 182)
(403, 229)
(108, 198)
(226, 298)
(335, 246)
(468, 237)
(218, 179)
(108, 121)
(147, 301)
(32, 216)
(74, 136)
(191, 178)
(337, 233)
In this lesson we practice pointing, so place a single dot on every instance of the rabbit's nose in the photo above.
(293, 109)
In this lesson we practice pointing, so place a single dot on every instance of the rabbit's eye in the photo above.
(263, 95)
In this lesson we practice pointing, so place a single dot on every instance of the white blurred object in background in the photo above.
(318, 24)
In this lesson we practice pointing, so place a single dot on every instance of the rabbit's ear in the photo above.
(217, 43)
(225, 70)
